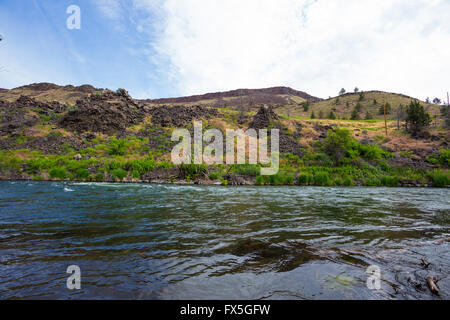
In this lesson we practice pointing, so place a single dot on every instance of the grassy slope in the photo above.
(343, 111)
(68, 96)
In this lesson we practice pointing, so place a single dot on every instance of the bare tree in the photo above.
(400, 115)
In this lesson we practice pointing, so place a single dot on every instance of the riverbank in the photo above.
(68, 147)
(237, 181)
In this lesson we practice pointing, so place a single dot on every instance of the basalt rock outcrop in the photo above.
(25, 112)
(263, 118)
(108, 112)
(179, 116)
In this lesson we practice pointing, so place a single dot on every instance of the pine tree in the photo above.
(388, 109)
(306, 106)
(355, 114)
(332, 116)
(417, 119)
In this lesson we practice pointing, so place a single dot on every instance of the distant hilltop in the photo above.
(262, 94)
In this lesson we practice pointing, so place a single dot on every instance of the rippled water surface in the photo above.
(192, 242)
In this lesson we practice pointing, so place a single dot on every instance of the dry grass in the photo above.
(341, 109)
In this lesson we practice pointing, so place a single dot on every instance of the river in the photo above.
(136, 241)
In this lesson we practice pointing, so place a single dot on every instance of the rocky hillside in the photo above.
(107, 135)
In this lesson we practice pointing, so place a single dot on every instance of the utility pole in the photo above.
(242, 105)
(385, 119)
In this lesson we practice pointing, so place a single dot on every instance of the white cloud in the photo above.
(110, 9)
(315, 46)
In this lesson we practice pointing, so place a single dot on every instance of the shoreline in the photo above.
(219, 184)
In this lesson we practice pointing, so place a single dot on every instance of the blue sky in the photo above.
(105, 52)
(162, 48)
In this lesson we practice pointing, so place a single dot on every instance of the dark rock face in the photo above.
(290, 145)
(17, 115)
(263, 118)
(54, 144)
(179, 116)
(235, 180)
(108, 113)
(160, 174)
(43, 86)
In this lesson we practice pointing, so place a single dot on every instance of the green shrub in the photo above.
(372, 182)
(117, 147)
(83, 174)
(139, 167)
(22, 139)
(164, 165)
(136, 174)
(338, 182)
(389, 181)
(371, 152)
(432, 159)
(38, 178)
(58, 173)
(348, 182)
(259, 180)
(322, 179)
(99, 177)
(114, 165)
(440, 179)
(289, 180)
(214, 176)
(323, 159)
(445, 157)
(249, 170)
(305, 179)
(275, 180)
(192, 171)
(119, 174)
(336, 143)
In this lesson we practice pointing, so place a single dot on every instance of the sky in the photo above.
(157, 48)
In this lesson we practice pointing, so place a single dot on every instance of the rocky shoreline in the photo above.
(238, 181)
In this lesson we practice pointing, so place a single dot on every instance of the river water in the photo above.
(191, 242)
